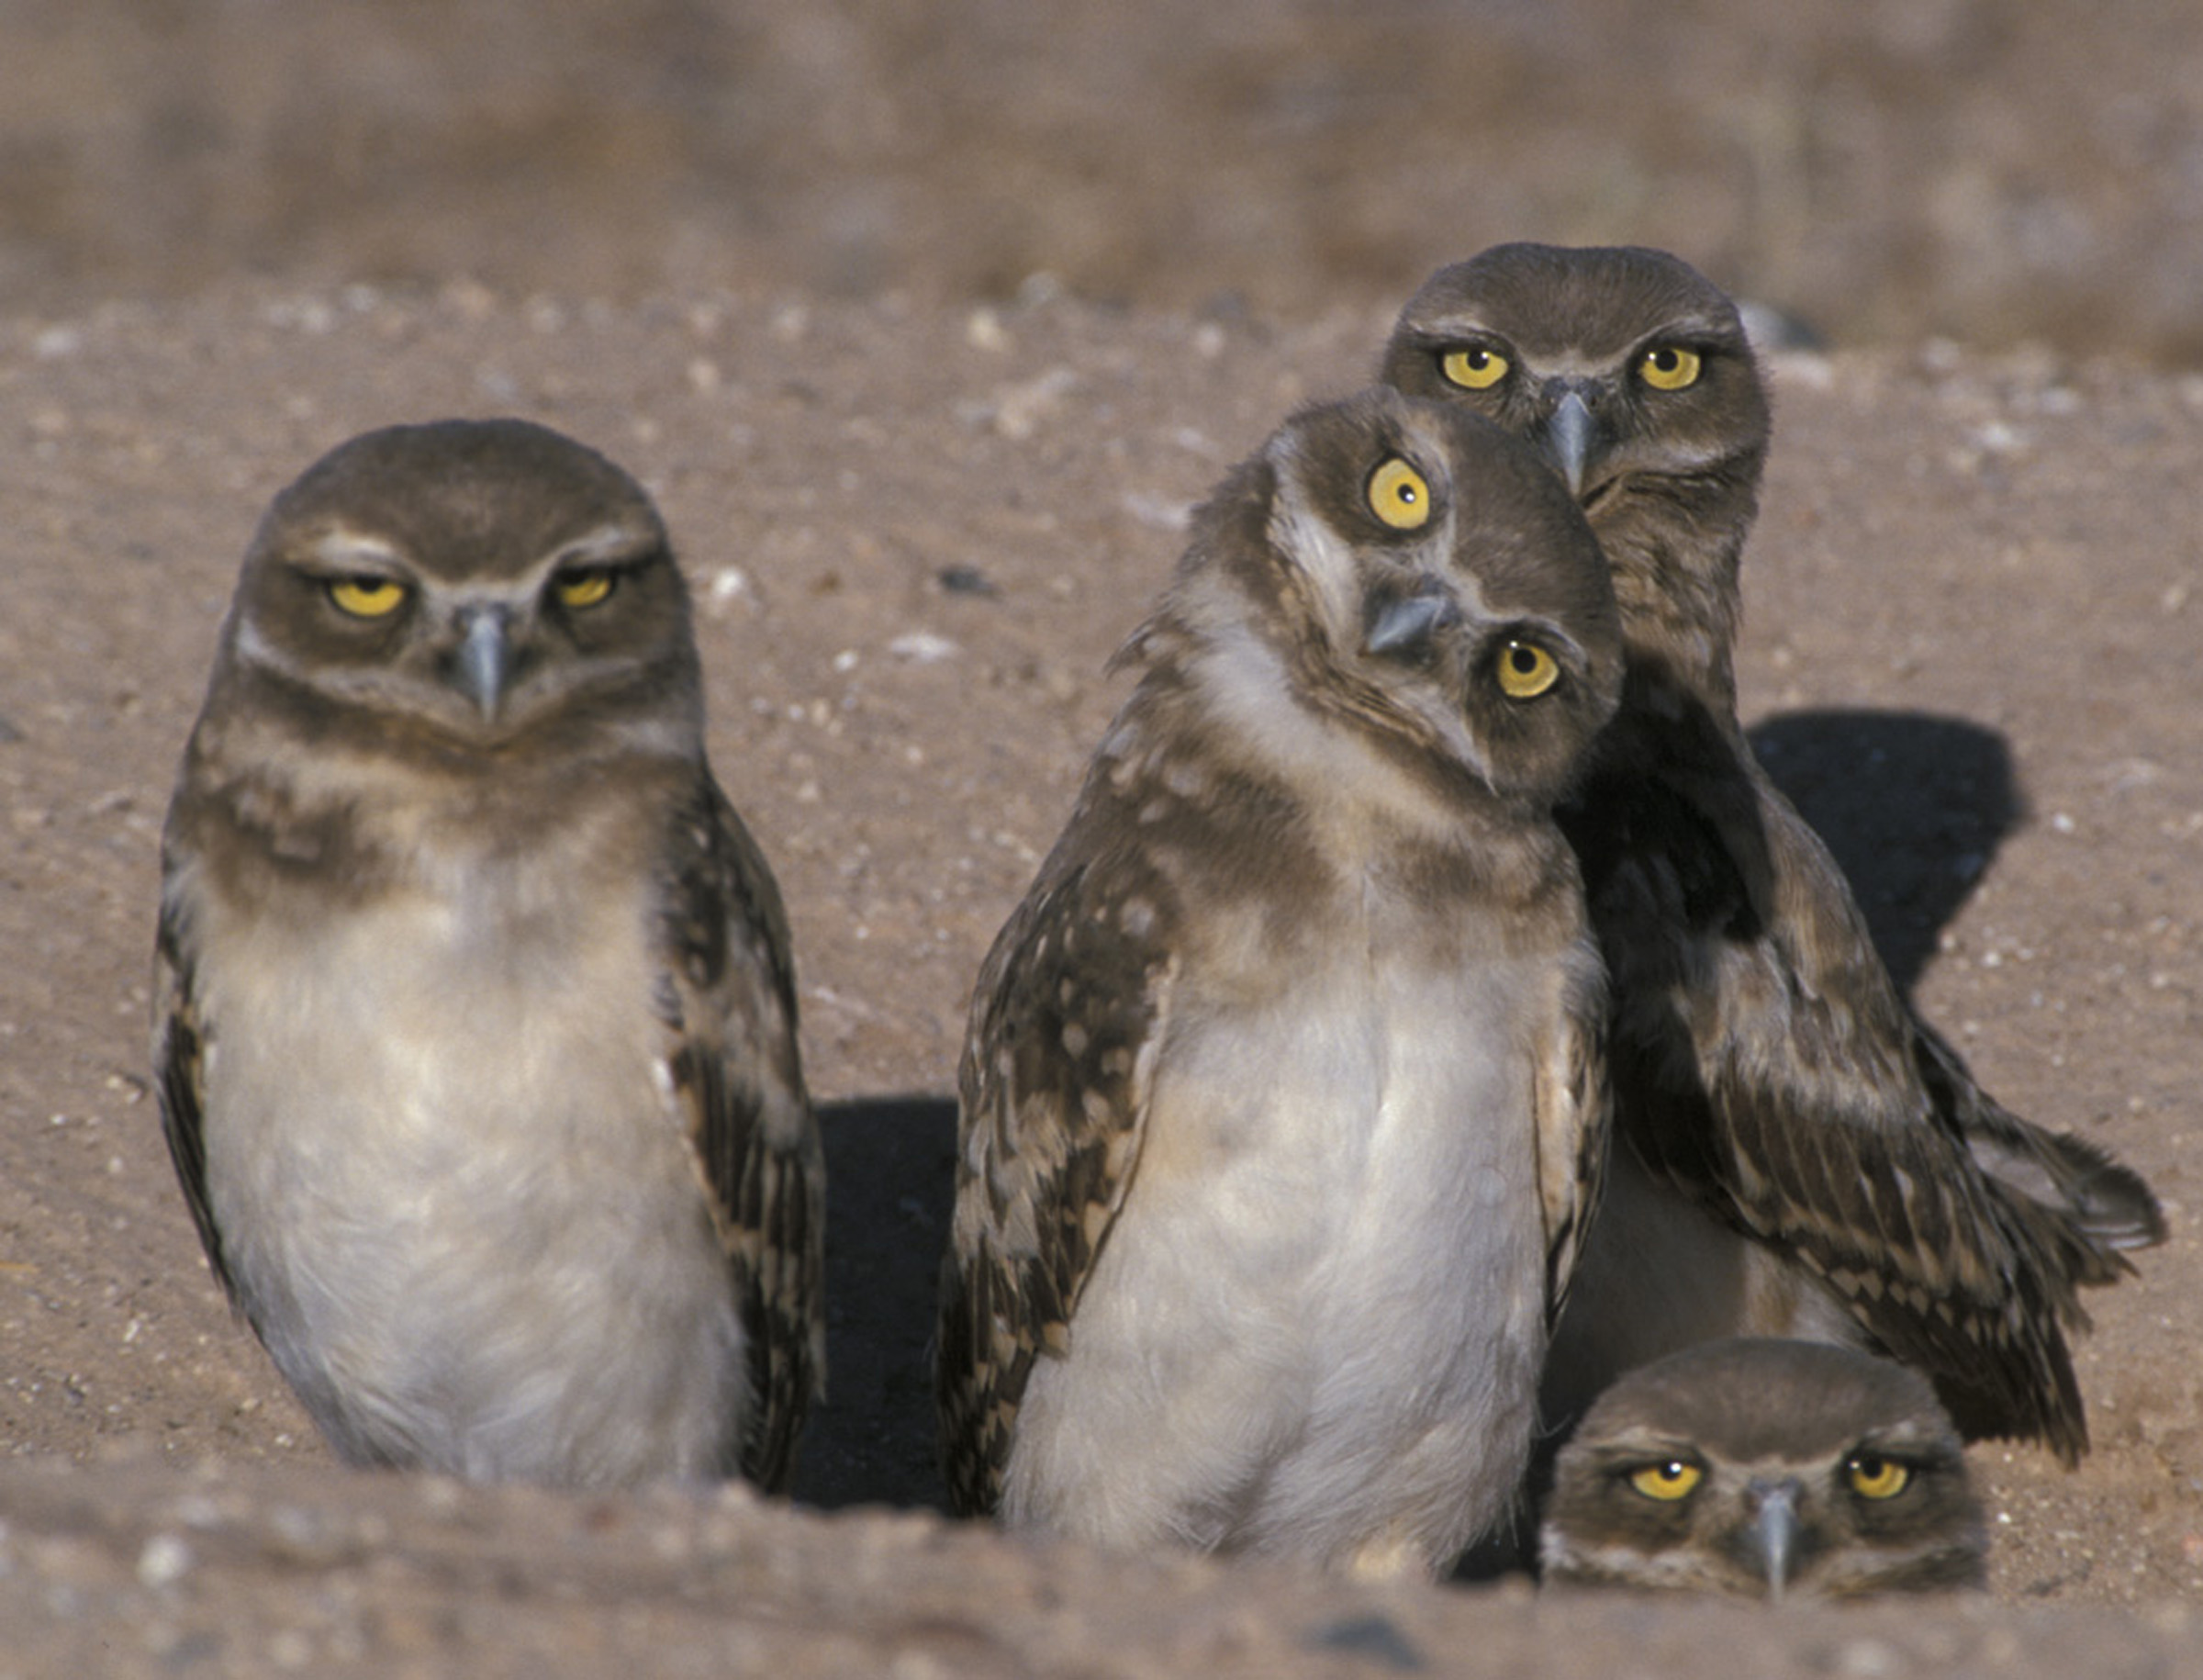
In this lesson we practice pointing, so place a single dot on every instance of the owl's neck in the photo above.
(1680, 605)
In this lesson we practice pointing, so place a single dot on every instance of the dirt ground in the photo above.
(921, 495)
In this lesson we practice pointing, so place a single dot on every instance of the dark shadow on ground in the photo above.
(1914, 808)
(890, 1172)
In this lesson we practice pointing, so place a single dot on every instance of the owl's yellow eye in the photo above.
(1668, 1482)
(1398, 496)
(367, 598)
(1473, 367)
(585, 589)
(1875, 1477)
(1670, 367)
(1525, 670)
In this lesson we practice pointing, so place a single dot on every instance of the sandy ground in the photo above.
(874, 294)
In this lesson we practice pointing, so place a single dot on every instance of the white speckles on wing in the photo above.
(1281, 1107)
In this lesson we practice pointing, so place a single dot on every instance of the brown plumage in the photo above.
(1770, 1083)
(1765, 1470)
(476, 1023)
(1300, 1011)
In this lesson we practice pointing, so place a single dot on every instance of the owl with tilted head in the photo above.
(1299, 1023)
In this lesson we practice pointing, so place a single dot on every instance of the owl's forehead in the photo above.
(1572, 310)
(495, 499)
(1569, 342)
(484, 550)
(1753, 1453)
(1769, 1434)
(1332, 449)
(1753, 1400)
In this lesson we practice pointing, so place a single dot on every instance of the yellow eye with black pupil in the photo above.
(1525, 670)
(1878, 1478)
(1398, 496)
(1668, 1482)
(1473, 368)
(367, 598)
(584, 588)
(1670, 367)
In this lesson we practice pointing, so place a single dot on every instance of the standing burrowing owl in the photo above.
(1804, 1156)
(1765, 1468)
(477, 1032)
(1298, 1023)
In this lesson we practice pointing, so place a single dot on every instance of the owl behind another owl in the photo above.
(1798, 1154)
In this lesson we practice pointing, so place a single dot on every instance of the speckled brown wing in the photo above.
(729, 1000)
(1068, 1013)
(180, 1082)
(1772, 1073)
(1764, 1061)
(1574, 1112)
(2093, 1208)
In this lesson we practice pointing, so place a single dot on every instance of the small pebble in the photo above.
(166, 1560)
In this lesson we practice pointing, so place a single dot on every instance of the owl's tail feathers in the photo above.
(2105, 1203)
(2089, 1205)
(2089, 1208)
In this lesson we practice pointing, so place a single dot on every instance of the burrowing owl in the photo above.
(476, 1029)
(1803, 1157)
(1299, 1025)
(1766, 1469)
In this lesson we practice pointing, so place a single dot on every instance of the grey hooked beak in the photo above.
(1568, 437)
(1774, 1532)
(485, 658)
(1402, 623)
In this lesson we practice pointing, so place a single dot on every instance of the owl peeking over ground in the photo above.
(1765, 1469)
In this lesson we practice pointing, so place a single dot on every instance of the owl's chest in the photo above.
(452, 1183)
(470, 1052)
(1379, 1109)
(1319, 1314)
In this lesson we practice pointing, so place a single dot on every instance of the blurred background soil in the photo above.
(1988, 170)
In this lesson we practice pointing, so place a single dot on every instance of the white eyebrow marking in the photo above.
(606, 543)
(1459, 325)
(346, 549)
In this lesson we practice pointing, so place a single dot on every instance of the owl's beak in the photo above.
(1568, 440)
(1773, 1539)
(485, 658)
(1403, 625)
